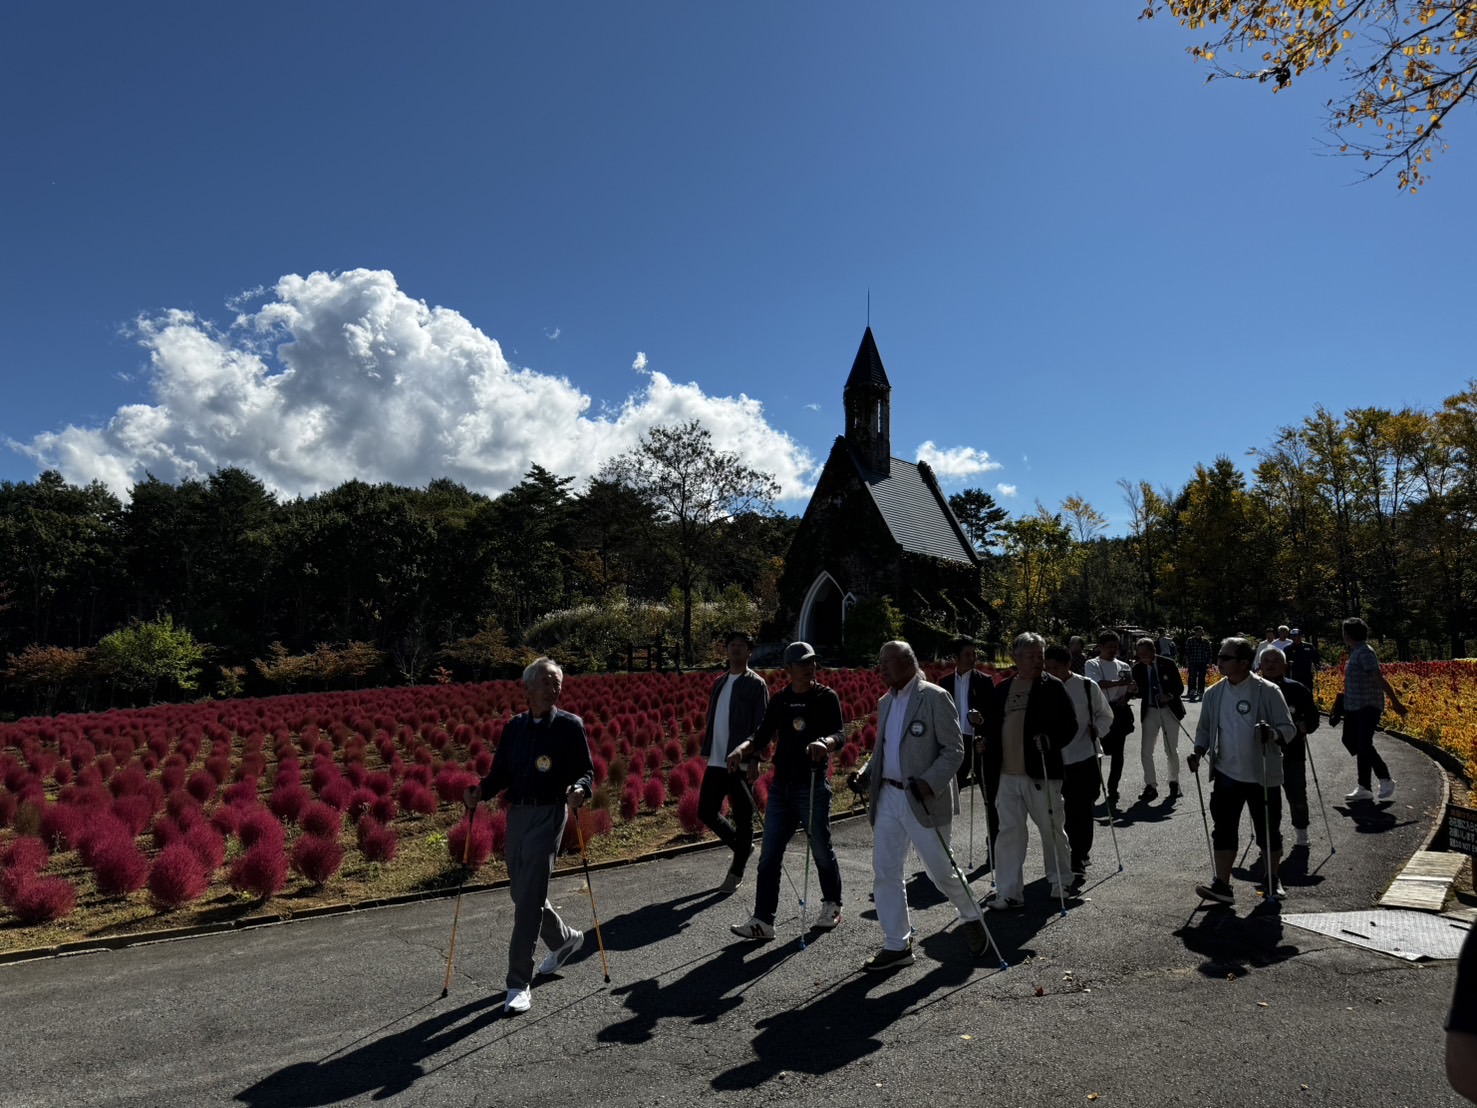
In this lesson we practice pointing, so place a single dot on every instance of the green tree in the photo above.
(145, 656)
(981, 518)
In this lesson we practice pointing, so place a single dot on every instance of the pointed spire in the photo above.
(867, 370)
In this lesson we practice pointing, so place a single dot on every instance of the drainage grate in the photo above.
(1413, 936)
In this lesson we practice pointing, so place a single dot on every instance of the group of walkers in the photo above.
(1031, 746)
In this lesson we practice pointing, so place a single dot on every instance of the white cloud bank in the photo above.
(342, 376)
(960, 461)
(1006, 490)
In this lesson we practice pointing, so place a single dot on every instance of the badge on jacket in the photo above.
(916, 728)
(543, 763)
(798, 723)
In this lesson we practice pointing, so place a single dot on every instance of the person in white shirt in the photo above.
(1244, 723)
(736, 707)
(1081, 781)
(1115, 678)
(1269, 639)
(970, 689)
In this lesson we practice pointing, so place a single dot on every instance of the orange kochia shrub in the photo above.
(1441, 698)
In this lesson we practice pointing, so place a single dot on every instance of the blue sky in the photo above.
(1083, 261)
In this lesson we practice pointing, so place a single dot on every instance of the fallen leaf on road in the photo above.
(1262, 1004)
(1092, 1096)
(966, 1038)
(1040, 991)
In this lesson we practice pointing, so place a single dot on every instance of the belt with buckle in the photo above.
(894, 784)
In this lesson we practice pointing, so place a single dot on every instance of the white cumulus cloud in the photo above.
(960, 461)
(341, 376)
(1006, 490)
(639, 365)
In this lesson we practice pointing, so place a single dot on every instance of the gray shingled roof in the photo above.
(920, 521)
(867, 368)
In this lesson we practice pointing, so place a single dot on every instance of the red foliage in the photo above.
(377, 842)
(134, 811)
(99, 833)
(497, 824)
(61, 826)
(8, 804)
(322, 820)
(241, 792)
(677, 783)
(384, 809)
(261, 871)
(456, 841)
(630, 800)
(317, 858)
(202, 785)
(687, 814)
(359, 803)
(119, 867)
(225, 818)
(337, 793)
(43, 899)
(259, 827)
(177, 877)
(592, 822)
(452, 781)
(381, 783)
(288, 802)
(25, 853)
(207, 844)
(416, 797)
(654, 795)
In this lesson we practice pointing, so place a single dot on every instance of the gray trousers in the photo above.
(534, 832)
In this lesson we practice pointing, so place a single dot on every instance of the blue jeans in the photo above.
(790, 807)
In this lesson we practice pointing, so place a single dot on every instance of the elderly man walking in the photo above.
(736, 708)
(1157, 680)
(909, 782)
(1243, 726)
(1030, 722)
(1365, 689)
(543, 761)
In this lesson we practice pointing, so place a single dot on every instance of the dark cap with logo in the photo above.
(798, 652)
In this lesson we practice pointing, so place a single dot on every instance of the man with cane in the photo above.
(1305, 717)
(543, 761)
(804, 722)
(1244, 722)
(909, 782)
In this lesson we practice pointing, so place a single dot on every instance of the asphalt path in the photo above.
(1134, 996)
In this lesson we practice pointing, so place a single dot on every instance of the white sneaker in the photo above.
(557, 958)
(1302, 836)
(1360, 793)
(830, 916)
(1387, 788)
(756, 929)
(519, 1000)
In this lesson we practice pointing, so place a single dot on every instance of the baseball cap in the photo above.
(798, 652)
(1295, 632)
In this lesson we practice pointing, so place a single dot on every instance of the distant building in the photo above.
(877, 526)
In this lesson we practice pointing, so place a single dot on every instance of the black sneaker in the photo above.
(976, 938)
(1218, 891)
(889, 959)
(1149, 793)
(1174, 789)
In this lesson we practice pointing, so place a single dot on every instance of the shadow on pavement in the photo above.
(1371, 818)
(701, 994)
(1147, 811)
(382, 1066)
(844, 1023)
(1233, 945)
(654, 922)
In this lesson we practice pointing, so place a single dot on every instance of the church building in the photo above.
(877, 526)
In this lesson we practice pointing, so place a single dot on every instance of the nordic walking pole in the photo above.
(457, 915)
(585, 862)
(973, 774)
(754, 806)
(1061, 889)
(1263, 727)
(1204, 821)
(809, 823)
(913, 788)
(1308, 746)
(1112, 818)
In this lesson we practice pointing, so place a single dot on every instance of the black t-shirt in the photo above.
(1463, 1015)
(794, 721)
(1301, 658)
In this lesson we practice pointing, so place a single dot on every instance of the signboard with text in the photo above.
(1461, 830)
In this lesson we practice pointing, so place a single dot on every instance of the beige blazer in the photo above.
(932, 751)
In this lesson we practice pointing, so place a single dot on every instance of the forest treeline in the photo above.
(218, 586)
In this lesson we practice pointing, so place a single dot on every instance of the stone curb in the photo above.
(251, 923)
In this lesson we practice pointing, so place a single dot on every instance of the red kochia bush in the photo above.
(43, 899)
(687, 813)
(120, 867)
(317, 858)
(207, 844)
(377, 842)
(226, 818)
(134, 811)
(592, 822)
(630, 800)
(456, 841)
(359, 804)
(452, 781)
(288, 802)
(261, 871)
(177, 877)
(61, 826)
(202, 785)
(415, 797)
(322, 820)
(337, 794)
(497, 824)
(384, 809)
(259, 827)
(25, 853)
(654, 795)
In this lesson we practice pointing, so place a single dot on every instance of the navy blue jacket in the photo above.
(538, 760)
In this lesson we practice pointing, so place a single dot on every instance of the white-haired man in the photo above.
(909, 781)
(543, 761)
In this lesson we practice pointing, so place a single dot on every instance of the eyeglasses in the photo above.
(1231, 658)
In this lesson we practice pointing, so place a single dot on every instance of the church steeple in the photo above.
(868, 400)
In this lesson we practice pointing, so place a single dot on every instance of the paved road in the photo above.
(1133, 996)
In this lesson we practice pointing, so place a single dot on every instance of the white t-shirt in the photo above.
(1100, 670)
(719, 754)
(1082, 747)
(892, 741)
(961, 700)
(1238, 751)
